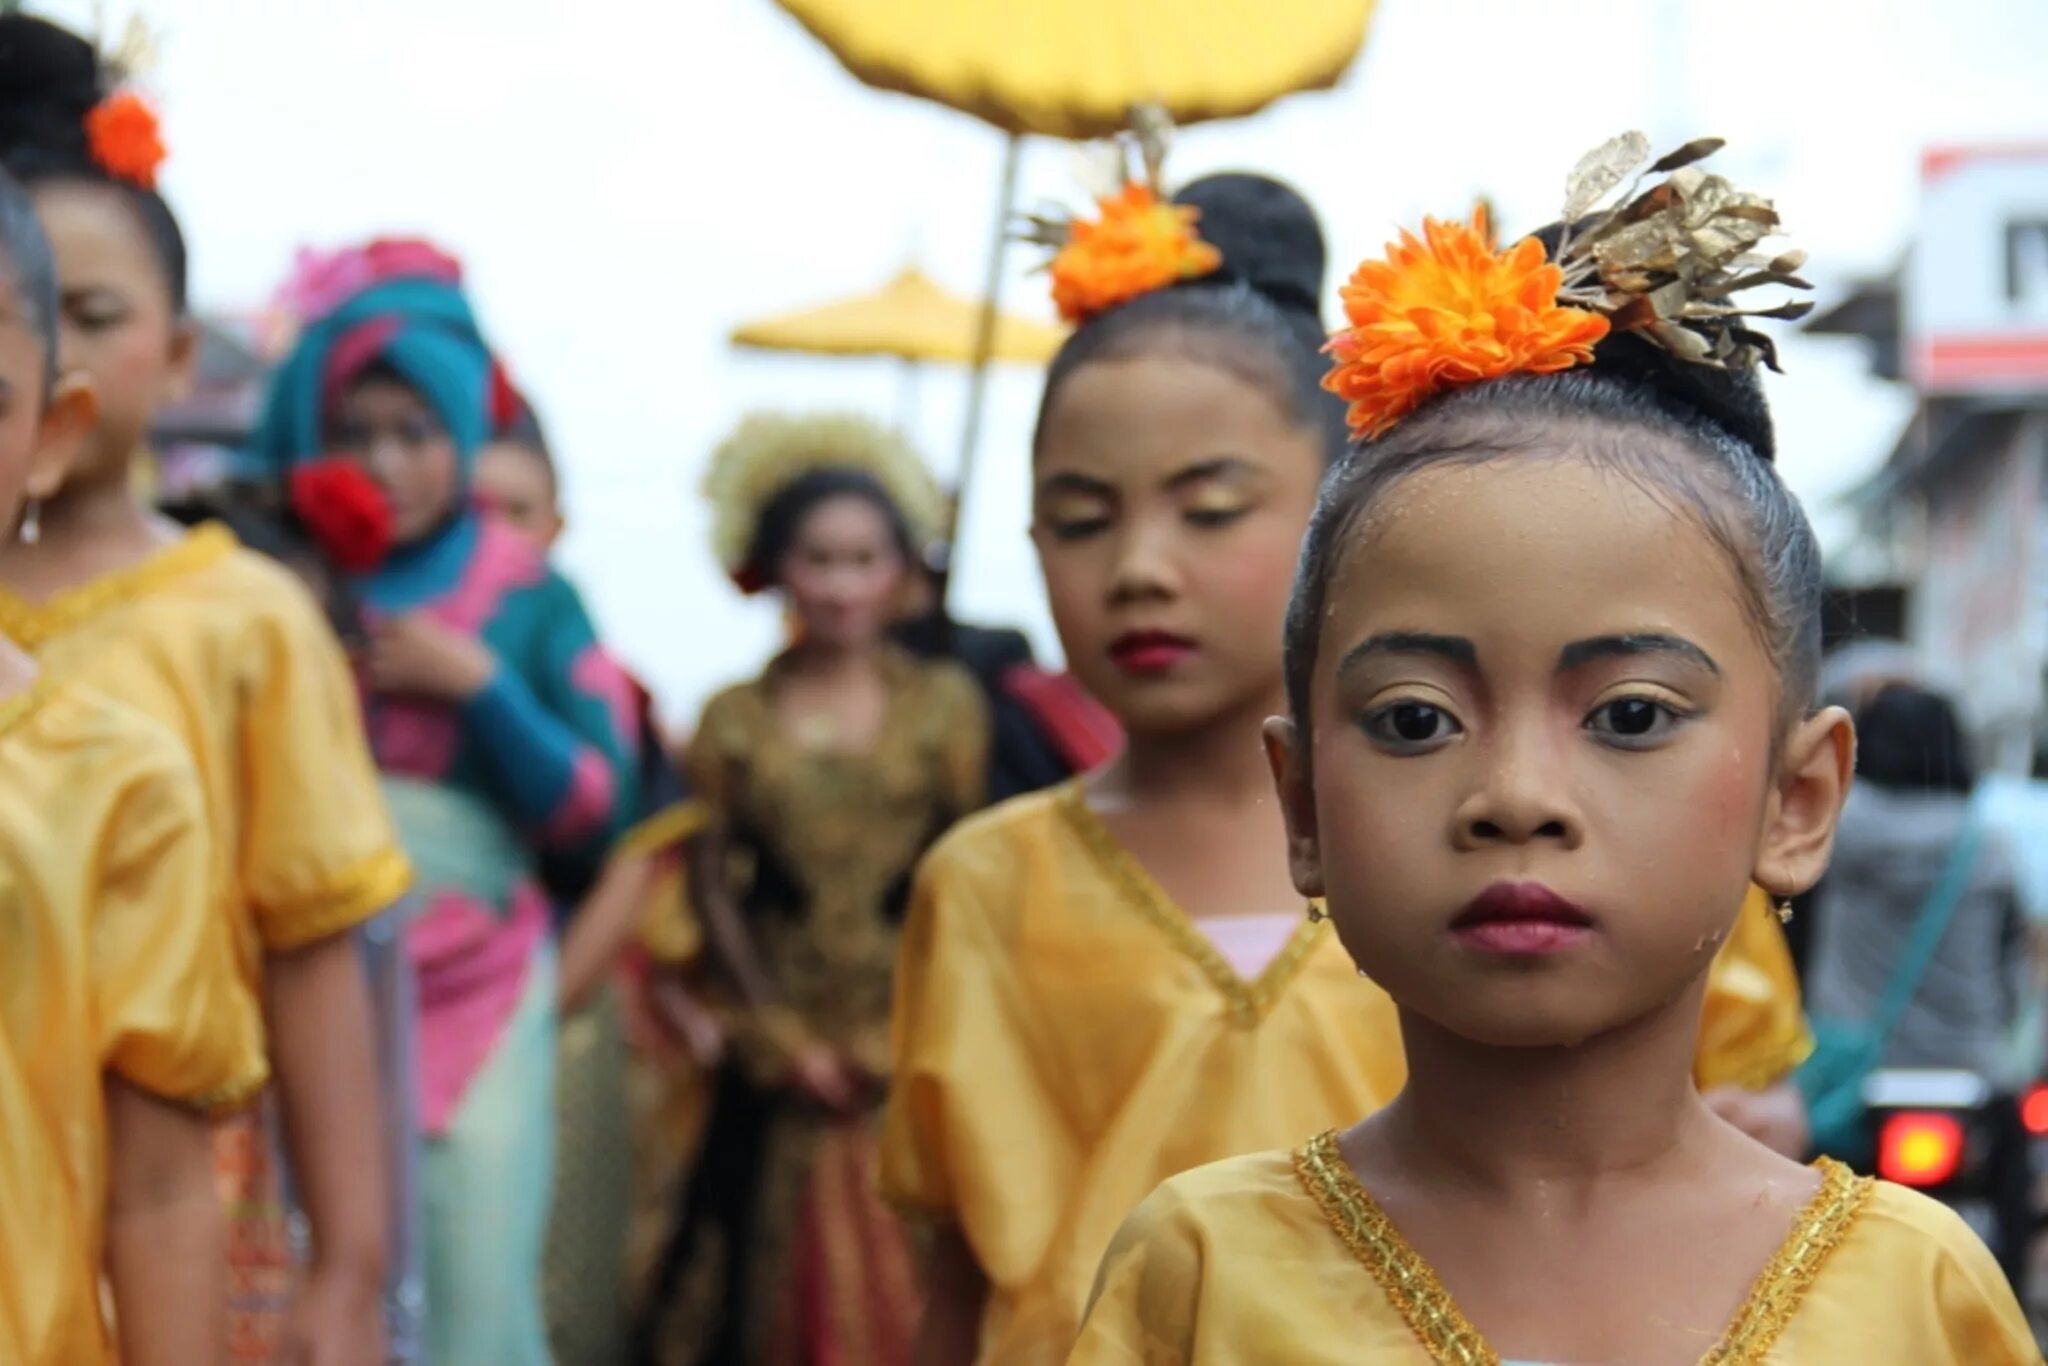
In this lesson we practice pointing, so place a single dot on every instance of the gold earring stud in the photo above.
(1785, 910)
(1316, 914)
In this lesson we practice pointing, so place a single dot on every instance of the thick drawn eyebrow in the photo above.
(1454, 649)
(1066, 481)
(1218, 467)
(1580, 653)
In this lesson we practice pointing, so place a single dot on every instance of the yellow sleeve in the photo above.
(175, 1017)
(1980, 1317)
(1148, 1292)
(1752, 1031)
(318, 852)
(971, 1131)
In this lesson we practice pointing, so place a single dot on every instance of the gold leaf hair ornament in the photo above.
(1449, 309)
(1140, 240)
(768, 452)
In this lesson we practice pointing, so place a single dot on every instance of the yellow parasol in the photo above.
(1073, 69)
(911, 318)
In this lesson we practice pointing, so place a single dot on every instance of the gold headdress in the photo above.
(770, 451)
(1141, 241)
(1449, 310)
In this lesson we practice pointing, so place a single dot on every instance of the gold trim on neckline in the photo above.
(1412, 1287)
(1249, 1002)
(32, 625)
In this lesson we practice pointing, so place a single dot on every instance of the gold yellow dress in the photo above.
(1284, 1257)
(1066, 1038)
(230, 652)
(113, 961)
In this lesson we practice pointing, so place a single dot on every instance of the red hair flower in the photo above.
(125, 138)
(345, 511)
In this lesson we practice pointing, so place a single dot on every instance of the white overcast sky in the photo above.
(627, 179)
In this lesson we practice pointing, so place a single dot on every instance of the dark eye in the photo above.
(1213, 517)
(1631, 720)
(1411, 726)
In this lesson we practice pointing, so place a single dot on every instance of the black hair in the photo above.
(30, 270)
(1711, 453)
(783, 517)
(50, 79)
(523, 429)
(1258, 317)
(1909, 739)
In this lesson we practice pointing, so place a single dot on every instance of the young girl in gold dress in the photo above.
(827, 776)
(230, 653)
(123, 1019)
(1112, 983)
(1550, 662)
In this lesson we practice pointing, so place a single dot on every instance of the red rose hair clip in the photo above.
(344, 511)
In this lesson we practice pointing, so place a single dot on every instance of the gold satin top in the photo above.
(113, 961)
(1285, 1257)
(230, 652)
(1066, 1038)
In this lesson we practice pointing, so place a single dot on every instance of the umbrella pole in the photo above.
(984, 342)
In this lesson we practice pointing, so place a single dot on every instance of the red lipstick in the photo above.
(1149, 653)
(1521, 920)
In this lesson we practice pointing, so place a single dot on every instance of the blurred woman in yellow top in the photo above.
(1112, 983)
(232, 655)
(122, 1016)
(1550, 665)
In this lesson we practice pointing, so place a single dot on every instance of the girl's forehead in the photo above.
(1538, 550)
(1143, 418)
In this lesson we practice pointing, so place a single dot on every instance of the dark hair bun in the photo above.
(49, 81)
(1732, 400)
(1268, 235)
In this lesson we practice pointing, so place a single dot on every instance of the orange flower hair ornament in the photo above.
(1449, 310)
(1141, 240)
(125, 138)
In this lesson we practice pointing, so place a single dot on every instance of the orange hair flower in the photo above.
(1448, 311)
(123, 133)
(1139, 244)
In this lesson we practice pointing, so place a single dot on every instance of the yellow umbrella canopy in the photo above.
(1074, 68)
(911, 318)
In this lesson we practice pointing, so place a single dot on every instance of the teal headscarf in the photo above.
(420, 326)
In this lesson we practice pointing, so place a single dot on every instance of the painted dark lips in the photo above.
(1149, 652)
(1521, 919)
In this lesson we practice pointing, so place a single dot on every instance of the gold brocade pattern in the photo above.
(820, 842)
(1249, 1001)
(1451, 1340)
(30, 625)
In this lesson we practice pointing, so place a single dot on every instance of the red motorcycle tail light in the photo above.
(2034, 1110)
(1918, 1148)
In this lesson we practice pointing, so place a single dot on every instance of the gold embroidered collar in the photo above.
(31, 625)
(1451, 1340)
(1249, 1002)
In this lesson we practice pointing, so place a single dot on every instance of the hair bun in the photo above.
(1732, 399)
(49, 81)
(1269, 236)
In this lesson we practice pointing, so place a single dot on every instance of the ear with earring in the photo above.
(32, 522)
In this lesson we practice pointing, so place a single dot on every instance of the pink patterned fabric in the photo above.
(504, 560)
(587, 803)
(472, 970)
(598, 674)
(416, 739)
